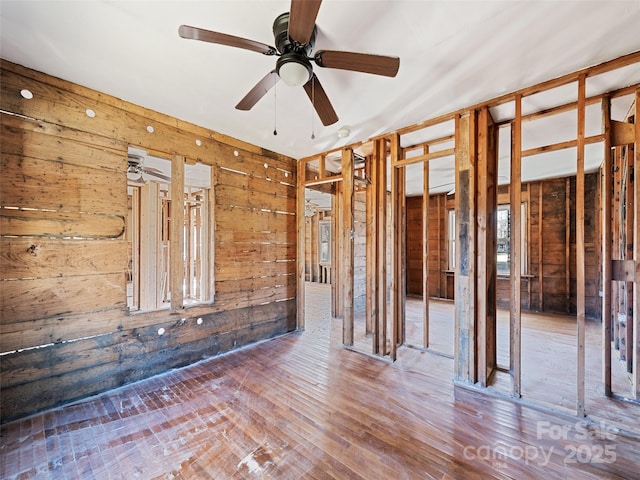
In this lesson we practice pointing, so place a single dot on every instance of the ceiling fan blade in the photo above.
(302, 19)
(150, 171)
(195, 33)
(358, 62)
(259, 91)
(320, 101)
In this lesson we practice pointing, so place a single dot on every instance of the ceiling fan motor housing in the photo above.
(284, 44)
(292, 52)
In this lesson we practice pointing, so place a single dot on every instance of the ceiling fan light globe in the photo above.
(294, 70)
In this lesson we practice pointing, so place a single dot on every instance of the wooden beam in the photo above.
(348, 234)
(636, 256)
(561, 146)
(465, 333)
(567, 107)
(424, 157)
(300, 246)
(629, 247)
(515, 322)
(322, 171)
(381, 241)
(604, 67)
(622, 133)
(177, 228)
(607, 187)
(425, 250)
(337, 292)
(428, 143)
(397, 191)
(370, 252)
(487, 248)
(580, 249)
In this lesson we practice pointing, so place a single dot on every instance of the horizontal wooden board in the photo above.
(254, 184)
(253, 199)
(15, 336)
(47, 257)
(256, 252)
(66, 108)
(98, 98)
(286, 237)
(239, 270)
(70, 371)
(258, 166)
(54, 185)
(241, 219)
(256, 297)
(26, 300)
(253, 284)
(34, 223)
(41, 140)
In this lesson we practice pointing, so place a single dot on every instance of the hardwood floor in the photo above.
(548, 360)
(303, 407)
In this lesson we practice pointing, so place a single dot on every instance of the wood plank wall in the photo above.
(551, 240)
(439, 205)
(63, 206)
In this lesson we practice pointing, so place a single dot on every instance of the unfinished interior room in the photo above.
(415, 257)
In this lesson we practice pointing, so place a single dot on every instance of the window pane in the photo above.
(504, 240)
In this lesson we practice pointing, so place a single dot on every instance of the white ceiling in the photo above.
(452, 54)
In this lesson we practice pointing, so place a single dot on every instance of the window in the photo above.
(148, 233)
(503, 255)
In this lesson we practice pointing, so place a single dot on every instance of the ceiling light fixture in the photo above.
(294, 69)
(344, 132)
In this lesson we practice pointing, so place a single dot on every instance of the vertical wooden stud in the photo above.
(580, 248)
(300, 245)
(371, 276)
(396, 250)
(425, 250)
(177, 229)
(348, 234)
(465, 351)
(487, 167)
(337, 292)
(607, 186)
(381, 233)
(636, 257)
(629, 236)
(515, 320)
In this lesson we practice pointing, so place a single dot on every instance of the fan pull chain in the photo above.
(313, 105)
(275, 108)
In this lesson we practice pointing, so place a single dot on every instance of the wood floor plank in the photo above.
(302, 407)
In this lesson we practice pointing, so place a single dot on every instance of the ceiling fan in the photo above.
(294, 33)
(135, 166)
